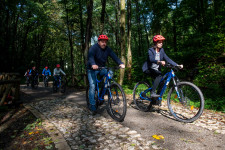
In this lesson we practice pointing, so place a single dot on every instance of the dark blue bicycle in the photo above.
(59, 83)
(117, 105)
(185, 100)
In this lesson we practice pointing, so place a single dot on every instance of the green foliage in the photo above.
(31, 126)
(38, 33)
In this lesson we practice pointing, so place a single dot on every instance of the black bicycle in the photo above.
(117, 105)
(45, 80)
(27, 80)
(34, 81)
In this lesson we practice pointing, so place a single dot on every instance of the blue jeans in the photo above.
(92, 75)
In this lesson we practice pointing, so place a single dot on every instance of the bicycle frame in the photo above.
(106, 84)
(168, 76)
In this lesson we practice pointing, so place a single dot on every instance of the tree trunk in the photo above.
(139, 32)
(70, 38)
(117, 14)
(103, 16)
(123, 40)
(146, 32)
(88, 29)
(175, 29)
(81, 26)
(129, 54)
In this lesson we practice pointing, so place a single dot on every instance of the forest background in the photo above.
(48, 32)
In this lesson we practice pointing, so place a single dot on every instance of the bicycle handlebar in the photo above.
(172, 67)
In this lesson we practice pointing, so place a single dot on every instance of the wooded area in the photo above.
(47, 32)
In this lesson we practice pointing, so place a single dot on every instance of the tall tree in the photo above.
(103, 16)
(123, 39)
(69, 26)
(129, 53)
(88, 29)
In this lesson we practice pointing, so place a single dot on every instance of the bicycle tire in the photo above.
(63, 87)
(141, 104)
(112, 101)
(180, 110)
(54, 86)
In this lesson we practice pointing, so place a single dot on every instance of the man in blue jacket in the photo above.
(97, 57)
(156, 58)
(46, 72)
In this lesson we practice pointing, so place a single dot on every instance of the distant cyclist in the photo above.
(156, 58)
(46, 73)
(57, 72)
(33, 75)
(33, 72)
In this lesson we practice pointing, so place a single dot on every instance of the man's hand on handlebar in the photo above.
(122, 66)
(94, 67)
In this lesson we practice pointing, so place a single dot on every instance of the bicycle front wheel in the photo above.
(117, 105)
(189, 106)
(139, 96)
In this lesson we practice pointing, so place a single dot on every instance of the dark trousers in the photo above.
(155, 74)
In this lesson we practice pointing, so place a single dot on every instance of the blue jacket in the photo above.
(98, 56)
(46, 72)
(151, 59)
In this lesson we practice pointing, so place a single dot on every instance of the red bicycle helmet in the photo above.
(58, 65)
(158, 38)
(103, 37)
(46, 67)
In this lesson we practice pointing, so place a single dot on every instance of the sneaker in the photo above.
(101, 102)
(93, 108)
(154, 95)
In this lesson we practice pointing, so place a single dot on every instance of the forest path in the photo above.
(204, 134)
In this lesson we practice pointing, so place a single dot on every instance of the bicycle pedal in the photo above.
(101, 103)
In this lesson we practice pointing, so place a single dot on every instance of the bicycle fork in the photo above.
(177, 91)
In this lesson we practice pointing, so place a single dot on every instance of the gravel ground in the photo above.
(206, 133)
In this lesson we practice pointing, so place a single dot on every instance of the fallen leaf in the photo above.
(158, 137)
(24, 143)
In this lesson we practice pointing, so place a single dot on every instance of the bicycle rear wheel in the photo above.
(190, 105)
(117, 105)
(141, 103)
(63, 86)
(55, 86)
